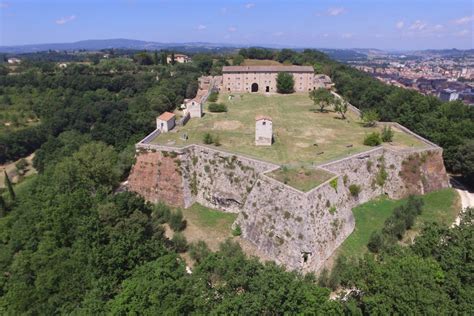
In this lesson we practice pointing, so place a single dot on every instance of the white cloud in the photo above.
(223, 10)
(325, 35)
(464, 20)
(232, 29)
(462, 33)
(4, 5)
(65, 19)
(347, 35)
(249, 5)
(278, 34)
(201, 27)
(336, 11)
(438, 27)
(400, 25)
(418, 25)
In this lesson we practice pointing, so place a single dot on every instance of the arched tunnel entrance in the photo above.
(254, 87)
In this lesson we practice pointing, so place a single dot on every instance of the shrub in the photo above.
(333, 183)
(162, 213)
(217, 107)
(180, 244)
(237, 231)
(382, 175)
(213, 97)
(176, 221)
(372, 139)
(199, 251)
(216, 140)
(375, 242)
(207, 139)
(370, 118)
(354, 189)
(387, 134)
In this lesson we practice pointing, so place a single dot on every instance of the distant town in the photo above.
(449, 77)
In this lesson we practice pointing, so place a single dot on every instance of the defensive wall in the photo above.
(297, 229)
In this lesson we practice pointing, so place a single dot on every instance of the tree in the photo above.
(143, 58)
(3, 206)
(463, 161)
(9, 186)
(164, 58)
(156, 61)
(21, 166)
(370, 118)
(238, 60)
(387, 134)
(172, 59)
(373, 139)
(340, 106)
(322, 98)
(285, 83)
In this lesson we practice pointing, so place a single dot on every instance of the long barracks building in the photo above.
(263, 78)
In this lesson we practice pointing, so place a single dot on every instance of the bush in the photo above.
(176, 221)
(217, 107)
(237, 231)
(199, 251)
(207, 139)
(373, 139)
(162, 213)
(213, 97)
(354, 189)
(180, 244)
(387, 134)
(370, 118)
(375, 242)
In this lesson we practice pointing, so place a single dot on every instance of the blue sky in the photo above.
(386, 24)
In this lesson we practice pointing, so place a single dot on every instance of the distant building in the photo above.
(13, 61)
(179, 58)
(62, 65)
(263, 78)
(165, 122)
(448, 95)
(263, 131)
(193, 107)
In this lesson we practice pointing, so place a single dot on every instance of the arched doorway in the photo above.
(254, 87)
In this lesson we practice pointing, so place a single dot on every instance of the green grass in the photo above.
(302, 135)
(301, 178)
(440, 206)
(209, 218)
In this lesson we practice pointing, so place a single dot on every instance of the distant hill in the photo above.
(91, 45)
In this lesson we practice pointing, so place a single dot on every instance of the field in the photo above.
(209, 225)
(440, 206)
(261, 62)
(302, 134)
(302, 179)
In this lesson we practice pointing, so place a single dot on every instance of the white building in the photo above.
(165, 122)
(13, 61)
(179, 58)
(193, 107)
(263, 131)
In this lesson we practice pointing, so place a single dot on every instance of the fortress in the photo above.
(297, 228)
(263, 78)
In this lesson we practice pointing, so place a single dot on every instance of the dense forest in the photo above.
(70, 244)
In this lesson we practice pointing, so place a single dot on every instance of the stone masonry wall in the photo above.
(298, 229)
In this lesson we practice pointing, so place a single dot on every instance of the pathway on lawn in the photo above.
(467, 199)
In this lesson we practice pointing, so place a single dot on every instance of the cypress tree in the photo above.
(3, 207)
(9, 186)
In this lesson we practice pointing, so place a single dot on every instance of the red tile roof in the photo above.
(166, 116)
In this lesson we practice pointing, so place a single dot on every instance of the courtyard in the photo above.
(302, 134)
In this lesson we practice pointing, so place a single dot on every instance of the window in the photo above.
(264, 123)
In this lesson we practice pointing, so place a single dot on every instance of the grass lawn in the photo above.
(261, 62)
(302, 179)
(302, 135)
(440, 206)
(209, 225)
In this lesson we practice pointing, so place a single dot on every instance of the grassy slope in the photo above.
(441, 206)
(301, 178)
(302, 135)
(208, 225)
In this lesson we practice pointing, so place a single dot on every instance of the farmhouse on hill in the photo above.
(165, 122)
(179, 58)
(263, 130)
(263, 78)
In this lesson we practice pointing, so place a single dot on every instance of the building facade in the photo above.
(263, 78)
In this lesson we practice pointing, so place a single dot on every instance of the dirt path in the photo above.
(467, 199)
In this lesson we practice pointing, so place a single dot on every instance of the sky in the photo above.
(383, 24)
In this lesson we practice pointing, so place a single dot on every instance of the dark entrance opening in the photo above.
(254, 87)
(267, 89)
